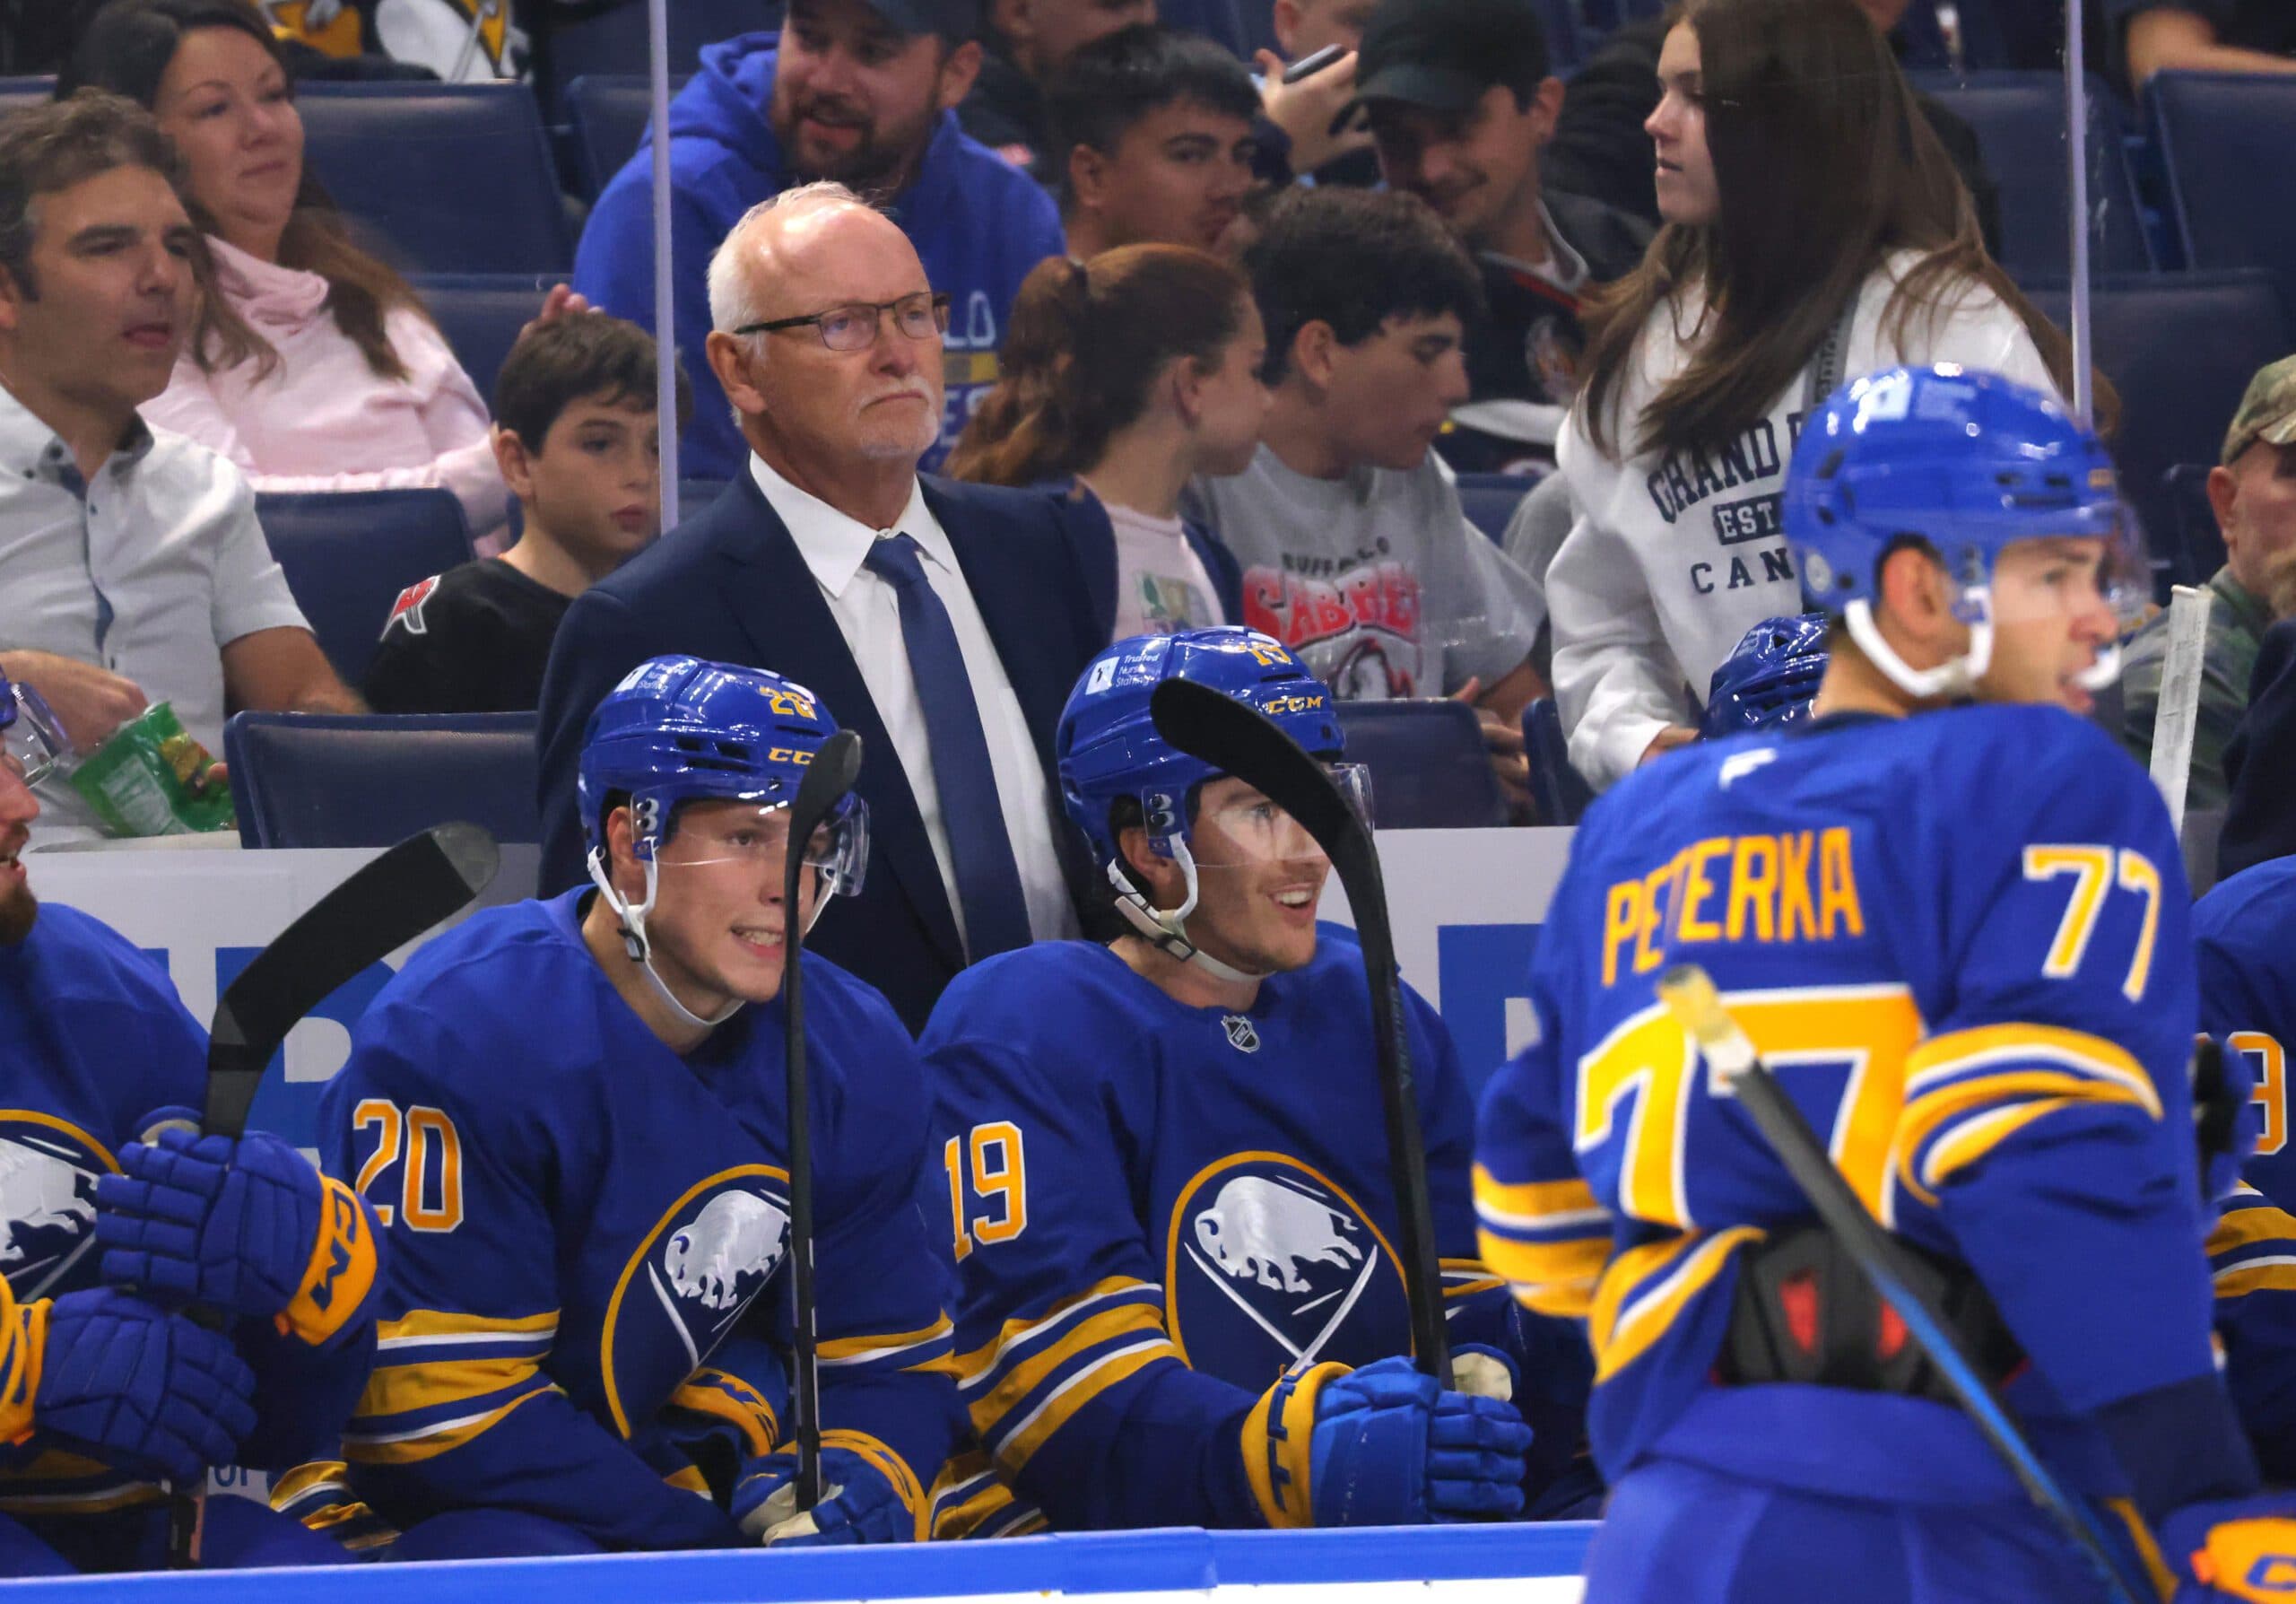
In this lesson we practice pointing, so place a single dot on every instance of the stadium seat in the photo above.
(2199, 549)
(2181, 348)
(326, 779)
(444, 178)
(1429, 767)
(2224, 139)
(2019, 123)
(1490, 499)
(612, 40)
(30, 90)
(1560, 795)
(481, 314)
(348, 553)
(607, 113)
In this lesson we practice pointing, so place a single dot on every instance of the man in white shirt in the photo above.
(133, 568)
(945, 623)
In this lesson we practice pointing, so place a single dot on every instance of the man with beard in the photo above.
(105, 1392)
(945, 622)
(861, 91)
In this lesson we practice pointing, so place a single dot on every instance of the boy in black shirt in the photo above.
(575, 432)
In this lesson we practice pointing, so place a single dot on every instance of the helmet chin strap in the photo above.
(640, 950)
(1956, 676)
(1168, 927)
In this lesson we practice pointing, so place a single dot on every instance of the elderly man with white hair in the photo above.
(945, 622)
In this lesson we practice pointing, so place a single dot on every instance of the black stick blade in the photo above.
(385, 905)
(828, 778)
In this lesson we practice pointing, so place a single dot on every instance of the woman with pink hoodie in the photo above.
(319, 370)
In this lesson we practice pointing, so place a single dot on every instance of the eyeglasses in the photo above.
(32, 741)
(923, 316)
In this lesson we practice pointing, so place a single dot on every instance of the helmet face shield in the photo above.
(1236, 827)
(757, 835)
(32, 741)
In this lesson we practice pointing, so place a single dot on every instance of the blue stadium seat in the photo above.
(1490, 499)
(1561, 796)
(325, 779)
(2019, 123)
(445, 178)
(613, 41)
(2200, 550)
(607, 113)
(348, 553)
(2224, 139)
(2181, 348)
(481, 314)
(26, 90)
(1429, 767)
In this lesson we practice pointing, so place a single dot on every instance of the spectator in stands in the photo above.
(856, 91)
(1321, 143)
(1125, 377)
(1461, 103)
(1024, 47)
(314, 367)
(2201, 36)
(1805, 203)
(1154, 131)
(2252, 491)
(576, 432)
(2260, 759)
(945, 622)
(1601, 150)
(130, 558)
(1354, 551)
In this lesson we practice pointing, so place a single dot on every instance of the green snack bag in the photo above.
(140, 782)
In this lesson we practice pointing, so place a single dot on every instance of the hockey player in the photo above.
(1959, 934)
(573, 1126)
(106, 1392)
(1165, 1158)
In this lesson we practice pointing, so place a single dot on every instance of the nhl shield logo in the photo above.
(1242, 1035)
(47, 1202)
(1272, 1264)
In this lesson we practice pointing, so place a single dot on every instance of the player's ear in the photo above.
(1159, 877)
(1916, 614)
(622, 866)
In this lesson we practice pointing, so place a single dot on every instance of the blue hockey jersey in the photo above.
(1158, 1208)
(589, 1230)
(94, 1045)
(2245, 934)
(1961, 940)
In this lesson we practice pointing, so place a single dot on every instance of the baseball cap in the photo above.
(1443, 54)
(2267, 412)
(955, 21)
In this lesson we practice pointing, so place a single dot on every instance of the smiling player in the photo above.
(1169, 1168)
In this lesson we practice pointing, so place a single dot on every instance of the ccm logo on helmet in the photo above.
(1275, 706)
(789, 705)
(788, 755)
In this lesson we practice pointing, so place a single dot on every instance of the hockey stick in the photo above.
(379, 909)
(828, 778)
(1690, 995)
(2176, 717)
(1237, 739)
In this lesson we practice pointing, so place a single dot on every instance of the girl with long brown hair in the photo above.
(314, 366)
(1128, 376)
(1815, 230)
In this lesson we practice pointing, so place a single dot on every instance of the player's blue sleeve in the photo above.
(2245, 942)
(883, 1283)
(1065, 1363)
(2047, 1123)
(2252, 1257)
(461, 1409)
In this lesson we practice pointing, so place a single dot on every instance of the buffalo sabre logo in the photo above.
(701, 1267)
(408, 609)
(1271, 1264)
(1358, 630)
(47, 1201)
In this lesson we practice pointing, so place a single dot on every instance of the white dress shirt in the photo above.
(867, 610)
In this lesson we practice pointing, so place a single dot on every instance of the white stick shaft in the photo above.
(2179, 713)
(665, 321)
(2076, 165)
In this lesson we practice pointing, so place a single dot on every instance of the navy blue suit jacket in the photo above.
(729, 585)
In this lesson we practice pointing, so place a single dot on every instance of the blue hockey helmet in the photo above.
(1769, 678)
(30, 736)
(1969, 462)
(1110, 750)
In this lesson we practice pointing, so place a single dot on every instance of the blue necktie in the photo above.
(989, 881)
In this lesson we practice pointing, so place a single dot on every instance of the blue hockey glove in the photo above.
(1769, 677)
(140, 1388)
(859, 1504)
(248, 1227)
(2240, 1548)
(1391, 1448)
